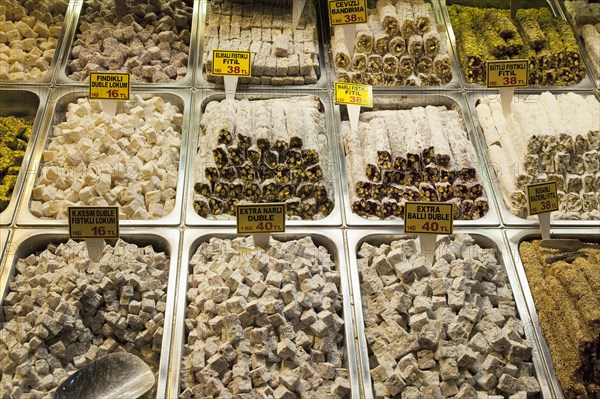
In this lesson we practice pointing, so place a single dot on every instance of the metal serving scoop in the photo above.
(567, 244)
(569, 248)
(114, 376)
(568, 257)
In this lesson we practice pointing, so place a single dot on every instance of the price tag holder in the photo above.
(297, 8)
(260, 220)
(110, 87)
(354, 96)
(94, 225)
(428, 220)
(514, 7)
(542, 199)
(506, 75)
(231, 65)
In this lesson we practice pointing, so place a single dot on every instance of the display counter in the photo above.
(341, 304)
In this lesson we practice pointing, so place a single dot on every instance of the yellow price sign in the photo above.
(93, 222)
(542, 197)
(428, 218)
(347, 12)
(260, 218)
(232, 63)
(109, 86)
(353, 94)
(507, 73)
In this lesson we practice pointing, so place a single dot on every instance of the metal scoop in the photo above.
(567, 244)
(114, 376)
(568, 257)
(570, 249)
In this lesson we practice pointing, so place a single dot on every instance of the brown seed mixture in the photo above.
(567, 299)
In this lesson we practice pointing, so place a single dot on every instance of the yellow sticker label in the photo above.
(428, 218)
(232, 63)
(354, 94)
(260, 218)
(507, 73)
(110, 86)
(93, 222)
(347, 12)
(542, 197)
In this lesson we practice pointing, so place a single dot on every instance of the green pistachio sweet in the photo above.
(14, 136)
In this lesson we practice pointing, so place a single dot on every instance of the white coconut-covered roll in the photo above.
(341, 54)
(380, 37)
(388, 17)
(406, 17)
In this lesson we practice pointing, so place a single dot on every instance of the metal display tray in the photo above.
(57, 107)
(396, 102)
(322, 78)
(332, 239)
(27, 242)
(200, 102)
(50, 74)
(585, 83)
(593, 72)
(514, 238)
(487, 238)
(70, 37)
(22, 101)
(507, 217)
(4, 239)
(455, 82)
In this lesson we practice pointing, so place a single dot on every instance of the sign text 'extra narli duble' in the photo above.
(109, 86)
(347, 12)
(232, 63)
(507, 73)
(353, 94)
(93, 222)
(428, 218)
(542, 197)
(260, 218)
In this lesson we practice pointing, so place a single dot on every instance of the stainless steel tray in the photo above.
(487, 238)
(62, 76)
(455, 82)
(514, 238)
(200, 102)
(4, 238)
(201, 81)
(586, 82)
(594, 74)
(22, 101)
(27, 242)
(331, 239)
(396, 102)
(55, 114)
(50, 74)
(507, 217)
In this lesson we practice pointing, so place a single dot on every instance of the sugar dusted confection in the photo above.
(130, 160)
(272, 150)
(546, 137)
